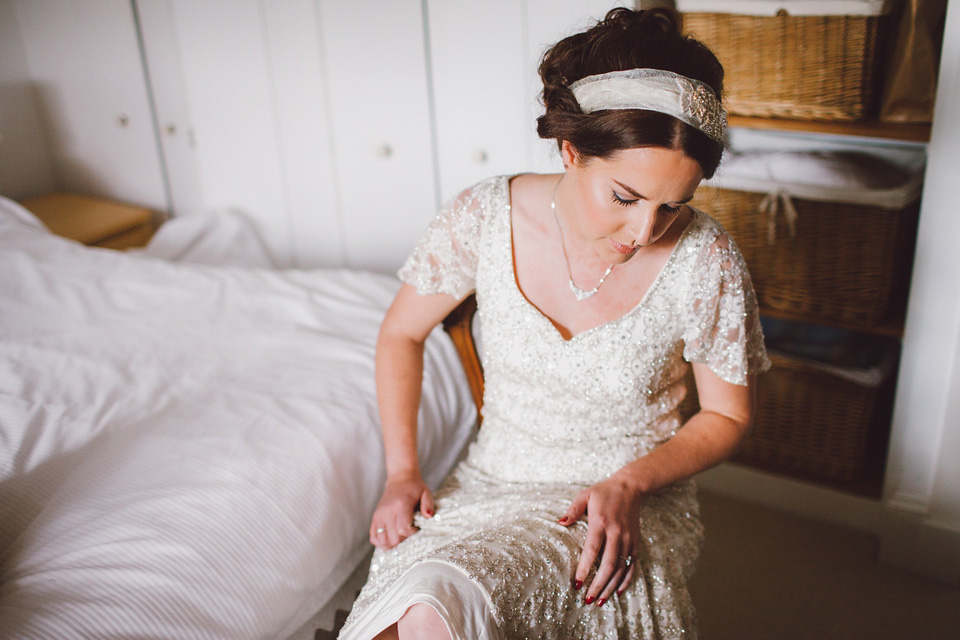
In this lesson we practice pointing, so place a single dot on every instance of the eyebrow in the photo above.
(637, 194)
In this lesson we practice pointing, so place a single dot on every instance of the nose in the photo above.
(643, 224)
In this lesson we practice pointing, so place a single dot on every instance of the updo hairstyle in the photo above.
(627, 39)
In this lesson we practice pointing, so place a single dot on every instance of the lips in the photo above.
(622, 248)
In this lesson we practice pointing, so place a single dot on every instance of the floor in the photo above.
(766, 574)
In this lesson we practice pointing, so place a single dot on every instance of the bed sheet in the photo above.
(190, 451)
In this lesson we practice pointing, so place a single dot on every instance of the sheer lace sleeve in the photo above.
(721, 318)
(445, 259)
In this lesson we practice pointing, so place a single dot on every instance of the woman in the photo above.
(572, 515)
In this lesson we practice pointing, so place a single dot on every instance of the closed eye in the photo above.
(620, 200)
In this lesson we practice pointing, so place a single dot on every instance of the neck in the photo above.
(581, 294)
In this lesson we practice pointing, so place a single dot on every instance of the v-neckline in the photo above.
(646, 294)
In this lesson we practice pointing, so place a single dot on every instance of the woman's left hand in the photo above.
(613, 534)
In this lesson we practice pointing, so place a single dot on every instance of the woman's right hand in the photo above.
(392, 521)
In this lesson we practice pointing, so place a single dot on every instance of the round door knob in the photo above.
(479, 156)
(384, 151)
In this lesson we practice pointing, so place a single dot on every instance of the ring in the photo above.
(626, 560)
(381, 530)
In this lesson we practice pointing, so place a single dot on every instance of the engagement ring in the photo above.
(381, 530)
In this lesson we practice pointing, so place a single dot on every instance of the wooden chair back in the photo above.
(459, 325)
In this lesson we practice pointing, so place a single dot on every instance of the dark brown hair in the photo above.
(627, 39)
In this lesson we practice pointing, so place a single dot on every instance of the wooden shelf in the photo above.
(890, 329)
(865, 128)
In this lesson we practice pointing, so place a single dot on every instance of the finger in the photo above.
(376, 534)
(577, 508)
(611, 585)
(625, 561)
(620, 578)
(592, 547)
(404, 525)
(394, 537)
(427, 506)
(384, 540)
(609, 565)
(627, 576)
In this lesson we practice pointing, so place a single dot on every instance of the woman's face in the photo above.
(626, 201)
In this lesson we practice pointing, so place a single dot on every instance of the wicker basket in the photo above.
(811, 67)
(808, 423)
(844, 262)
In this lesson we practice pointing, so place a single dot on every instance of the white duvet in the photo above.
(189, 451)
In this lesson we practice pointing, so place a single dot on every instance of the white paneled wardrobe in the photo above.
(340, 126)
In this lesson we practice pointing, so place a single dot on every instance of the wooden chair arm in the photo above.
(459, 324)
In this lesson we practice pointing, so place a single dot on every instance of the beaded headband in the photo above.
(688, 100)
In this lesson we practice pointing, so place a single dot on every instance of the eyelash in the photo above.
(620, 201)
(626, 203)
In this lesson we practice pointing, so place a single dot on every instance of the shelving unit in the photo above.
(792, 447)
(889, 329)
(865, 129)
(805, 416)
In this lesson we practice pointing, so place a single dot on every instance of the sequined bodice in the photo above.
(574, 411)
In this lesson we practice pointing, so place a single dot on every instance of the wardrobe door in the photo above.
(547, 22)
(486, 88)
(375, 56)
(252, 108)
(478, 68)
(301, 95)
(83, 62)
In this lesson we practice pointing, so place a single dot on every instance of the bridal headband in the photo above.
(688, 100)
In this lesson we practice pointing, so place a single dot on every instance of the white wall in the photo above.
(922, 497)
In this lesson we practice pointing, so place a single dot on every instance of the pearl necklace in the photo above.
(580, 294)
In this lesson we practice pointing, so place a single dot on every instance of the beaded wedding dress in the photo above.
(560, 415)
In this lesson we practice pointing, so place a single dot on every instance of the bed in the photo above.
(189, 440)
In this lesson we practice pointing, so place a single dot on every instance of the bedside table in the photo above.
(96, 222)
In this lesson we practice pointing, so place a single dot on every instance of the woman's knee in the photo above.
(422, 622)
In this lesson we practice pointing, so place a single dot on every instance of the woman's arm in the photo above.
(613, 506)
(399, 377)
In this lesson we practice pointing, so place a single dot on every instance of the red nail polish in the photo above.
(588, 600)
(577, 584)
(562, 519)
(600, 602)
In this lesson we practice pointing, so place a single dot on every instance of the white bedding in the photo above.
(189, 451)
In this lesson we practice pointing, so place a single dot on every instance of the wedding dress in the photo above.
(560, 415)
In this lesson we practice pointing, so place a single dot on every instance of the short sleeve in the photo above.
(445, 259)
(721, 319)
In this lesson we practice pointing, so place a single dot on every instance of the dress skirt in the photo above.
(495, 563)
